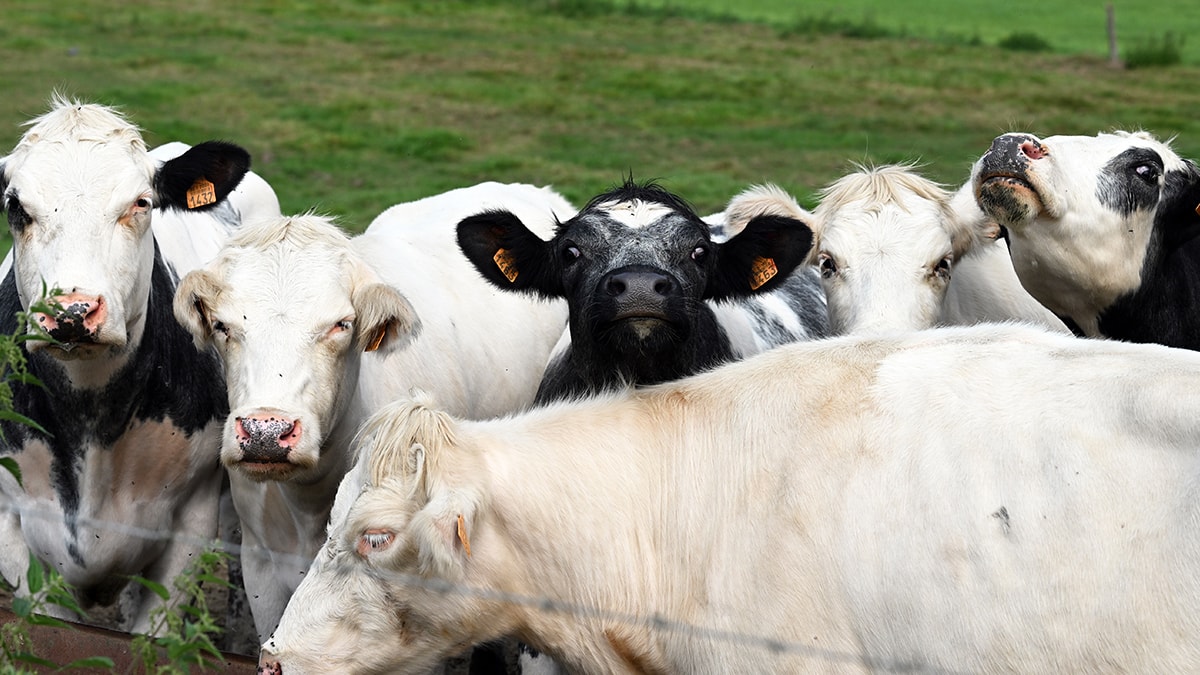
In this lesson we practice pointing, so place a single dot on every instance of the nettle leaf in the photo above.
(35, 575)
(157, 588)
(11, 465)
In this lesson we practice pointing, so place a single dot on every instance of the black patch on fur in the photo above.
(1165, 308)
(223, 164)
(165, 379)
(1121, 188)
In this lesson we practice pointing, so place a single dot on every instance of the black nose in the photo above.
(1015, 150)
(638, 283)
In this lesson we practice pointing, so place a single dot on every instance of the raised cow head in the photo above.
(1088, 217)
(289, 306)
(80, 190)
(635, 266)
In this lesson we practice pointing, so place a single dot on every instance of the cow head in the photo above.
(289, 307)
(635, 266)
(376, 597)
(886, 244)
(1087, 216)
(80, 190)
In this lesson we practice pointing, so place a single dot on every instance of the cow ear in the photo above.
(508, 254)
(201, 177)
(193, 304)
(760, 257)
(442, 531)
(385, 318)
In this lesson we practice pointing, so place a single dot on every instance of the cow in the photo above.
(316, 330)
(887, 242)
(651, 295)
(1102, 230)
(122, 478)
(916, 501)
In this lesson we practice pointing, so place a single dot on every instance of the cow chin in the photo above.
(78, 351)
(1011, 201)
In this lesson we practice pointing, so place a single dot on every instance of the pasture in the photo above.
(347, 110)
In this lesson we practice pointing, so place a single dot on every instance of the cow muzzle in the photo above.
(266, 439)
(1006, 179)
(76, 319)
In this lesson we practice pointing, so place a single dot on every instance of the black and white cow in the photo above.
(1102, 230)
(652, 296)
(128, 479)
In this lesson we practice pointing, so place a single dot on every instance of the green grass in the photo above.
(351, 108)
(1069, 26)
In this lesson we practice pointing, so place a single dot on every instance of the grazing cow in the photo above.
(126, 479)
(887, 242)
(1102, 230)
(636, 266)
(916, 502)
(292, 305)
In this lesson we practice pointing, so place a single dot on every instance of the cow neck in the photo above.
(588, 368)
(166, 379)
(1162, 309)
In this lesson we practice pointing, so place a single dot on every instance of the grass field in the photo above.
(352, 107)
(1068, 26)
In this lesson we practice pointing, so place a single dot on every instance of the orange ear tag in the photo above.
(507, 264)
(462, 535)
(202, 193)
(761, 272)
(1198, 209)
(377, 340)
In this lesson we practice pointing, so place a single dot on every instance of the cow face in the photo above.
(635, 266)
(80, 191)
(1086, 215)
(886, 246)
(289, 308)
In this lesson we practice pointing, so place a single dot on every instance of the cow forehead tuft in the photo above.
(635, 213)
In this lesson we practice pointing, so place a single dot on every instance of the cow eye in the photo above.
(1148, 172)
(942, 269)
(343, 326)
(142, 203)
(700, 253)
(827, 265)
(570, 253)
(18, 218)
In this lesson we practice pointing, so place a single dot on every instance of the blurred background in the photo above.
(349, 107)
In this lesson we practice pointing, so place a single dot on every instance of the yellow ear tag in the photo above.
(506, 263)
(378, 339)
(761, 272)
(462, 535)
(202, 193)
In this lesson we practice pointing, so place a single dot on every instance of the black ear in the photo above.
(201, 177)
(508, 254)
(759, 257)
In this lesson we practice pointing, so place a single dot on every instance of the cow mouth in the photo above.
(266, 470)
(1010, 198)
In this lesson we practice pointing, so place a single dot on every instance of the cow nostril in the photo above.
(1033, 150)
(662, 286)
(616, 286)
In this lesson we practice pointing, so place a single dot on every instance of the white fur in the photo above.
(885, 230)
(919, 502)
(281, 288)
(79, 171)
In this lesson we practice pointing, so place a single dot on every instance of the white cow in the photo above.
(1103, 230)
(126, 482)
(887, 242)
(292, 305)
(920, 502)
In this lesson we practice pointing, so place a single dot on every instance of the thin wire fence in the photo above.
(583, 612)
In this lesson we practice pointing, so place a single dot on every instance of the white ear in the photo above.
(442, 532)
(386, 320)
(193, 302)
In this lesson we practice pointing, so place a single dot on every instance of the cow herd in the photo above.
(915, 429)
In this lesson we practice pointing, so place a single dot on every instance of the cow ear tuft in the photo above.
(201, 177)
(386, 320)
(193, 302)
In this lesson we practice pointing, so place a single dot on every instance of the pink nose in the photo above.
(1033, 150)
(266, 436)
(78, 317)
(268, 666)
